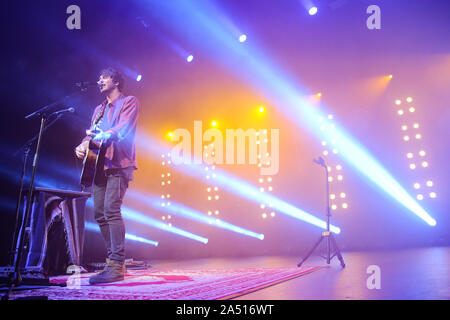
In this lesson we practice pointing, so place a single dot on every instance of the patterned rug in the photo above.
(169, 285)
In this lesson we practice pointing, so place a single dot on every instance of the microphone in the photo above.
(320, 161)
(71, 109)
(86, 84)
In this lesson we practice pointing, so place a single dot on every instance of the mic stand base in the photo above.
(25, 283)
(332, 249)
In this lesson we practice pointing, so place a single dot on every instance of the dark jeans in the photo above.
(109, 189)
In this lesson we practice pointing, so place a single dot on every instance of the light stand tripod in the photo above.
(326, 235)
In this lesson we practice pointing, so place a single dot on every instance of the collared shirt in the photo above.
(120, 152)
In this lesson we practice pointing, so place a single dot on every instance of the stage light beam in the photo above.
(94, 227)
(239, 187)
(192, 214)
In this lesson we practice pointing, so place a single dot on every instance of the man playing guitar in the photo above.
(116, 120)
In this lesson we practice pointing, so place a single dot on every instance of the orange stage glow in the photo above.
(373, 87)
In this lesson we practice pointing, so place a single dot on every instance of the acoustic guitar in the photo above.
(90, 161)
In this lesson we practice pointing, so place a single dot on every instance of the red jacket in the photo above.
(119, 119)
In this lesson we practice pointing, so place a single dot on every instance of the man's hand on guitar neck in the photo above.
(98, 135)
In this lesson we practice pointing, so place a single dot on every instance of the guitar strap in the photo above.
(90, 165)
(98, 117)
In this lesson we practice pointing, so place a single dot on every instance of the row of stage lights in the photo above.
(265, 183)
(190, 57)
(242, 38)
(339, 199)
(166, 182)
(212, 191)
(416, 155)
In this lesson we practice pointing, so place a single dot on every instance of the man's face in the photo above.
(106, 84)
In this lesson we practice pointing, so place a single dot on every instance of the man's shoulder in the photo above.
(97, 108)
(131, 100)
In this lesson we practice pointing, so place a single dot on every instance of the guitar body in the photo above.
(93, 152)
(90, 163)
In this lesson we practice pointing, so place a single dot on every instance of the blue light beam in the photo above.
(192, 214)
(131, 214)
(94, 227)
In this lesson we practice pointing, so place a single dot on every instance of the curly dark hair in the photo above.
(115, 75)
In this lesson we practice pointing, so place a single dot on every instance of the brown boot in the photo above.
(106, 266)
(114, 271)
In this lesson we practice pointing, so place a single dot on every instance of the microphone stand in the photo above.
(326, 235)
(26, 150)
(15, 279)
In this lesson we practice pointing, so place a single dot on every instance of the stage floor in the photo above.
(405, 274)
